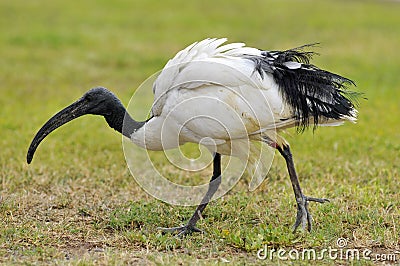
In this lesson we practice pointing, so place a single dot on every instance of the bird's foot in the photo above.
(303, 215)
(181, 230)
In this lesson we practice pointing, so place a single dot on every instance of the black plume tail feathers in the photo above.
(315, 95)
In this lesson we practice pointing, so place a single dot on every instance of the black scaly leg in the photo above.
(303, 215)
(215, 181)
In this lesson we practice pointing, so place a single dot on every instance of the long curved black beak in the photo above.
(67, 114)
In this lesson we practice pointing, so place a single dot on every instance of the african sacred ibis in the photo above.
(269, 90)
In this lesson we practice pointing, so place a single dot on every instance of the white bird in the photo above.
(227, 94)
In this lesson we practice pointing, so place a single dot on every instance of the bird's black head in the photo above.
(97, 101)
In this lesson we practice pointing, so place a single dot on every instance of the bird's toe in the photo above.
(304, 217)
(181, 230)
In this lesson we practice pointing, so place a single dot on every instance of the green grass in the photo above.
(77, 203)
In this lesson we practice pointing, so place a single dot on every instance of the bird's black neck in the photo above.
(122, 122)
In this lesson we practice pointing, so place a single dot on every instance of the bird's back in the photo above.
(297, 92)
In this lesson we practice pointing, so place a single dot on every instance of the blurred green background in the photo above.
(51, 52)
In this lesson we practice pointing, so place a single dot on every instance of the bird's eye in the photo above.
(88, 98)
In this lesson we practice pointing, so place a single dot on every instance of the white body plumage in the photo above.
(213, 94)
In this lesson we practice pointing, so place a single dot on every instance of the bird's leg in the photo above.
(215, 181)
(303, 215)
